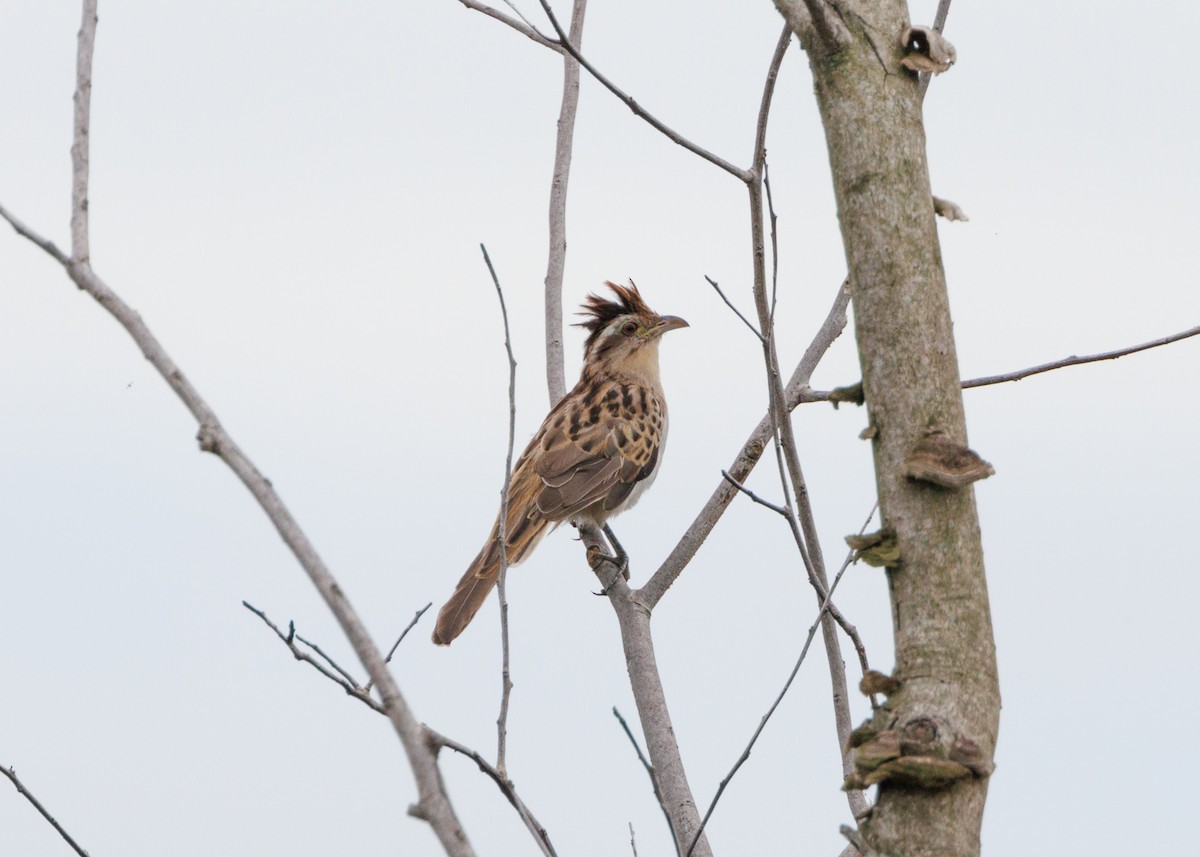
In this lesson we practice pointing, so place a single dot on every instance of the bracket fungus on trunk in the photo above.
(926, 51)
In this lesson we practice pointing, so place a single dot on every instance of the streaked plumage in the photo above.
(596, 452)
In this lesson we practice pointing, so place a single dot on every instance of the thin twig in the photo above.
(739, 486)
(766, 174)
(37, 804)
(431, 739)
(525, 20)
(332, 663)
(527, 31)
(556, 258)
(1076, 361)
(415, 619)
(649, 772)
(797, 391)
(759, 156)
(501, 531)
(340, 678)
(367, 687)
(831, 31)
(638, 110)
(736, 311)
(823, 395)
(25, 232)
(505, 785)
(632, 840)
(794, 525)
(812, 632)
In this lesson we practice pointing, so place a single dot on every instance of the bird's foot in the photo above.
(597, 558)
(620, 557)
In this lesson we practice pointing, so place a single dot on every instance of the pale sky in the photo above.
(293, 194)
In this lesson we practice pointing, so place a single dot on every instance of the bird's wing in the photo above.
(596, 449)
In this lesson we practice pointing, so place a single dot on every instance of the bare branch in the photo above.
(759, 156)
(736, 311)
(516, 11)
(637, 642)
(808, 545)
(822, 396)
(415, 619)
(340, 678)
(812, 631)
(766, 175)
(649, 772)
(505, 785)
(523, 29)
(556, 261)
(332, 663)
(501, 531)
(433, 804)
(25, 232)
(638, 110)
(1076, 361)
(432, 740)
(28, 795)
(739, 486)
(793, 523)
(80, 164)
(797, 392)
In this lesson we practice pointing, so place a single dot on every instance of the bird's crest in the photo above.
(599, 312)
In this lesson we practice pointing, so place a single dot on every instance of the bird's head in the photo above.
(623, 334)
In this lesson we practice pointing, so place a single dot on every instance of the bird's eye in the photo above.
(629, 328)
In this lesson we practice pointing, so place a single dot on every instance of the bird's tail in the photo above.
(483, 574)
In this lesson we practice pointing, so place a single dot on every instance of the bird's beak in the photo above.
(669, 322)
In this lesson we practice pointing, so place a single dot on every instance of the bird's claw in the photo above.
(596, 558)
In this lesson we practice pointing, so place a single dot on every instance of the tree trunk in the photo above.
(943, 717)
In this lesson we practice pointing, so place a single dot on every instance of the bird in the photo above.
(596, 453)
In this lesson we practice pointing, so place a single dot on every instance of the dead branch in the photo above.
(522, 28)
(674, 136)
(501, 531)
(37, 804)
(812, 631)
(415, 619)
(796, 392)
(433, 803)
(556, 261)
(1077, 361)
(436, 740)
(649, 772)
(338, 676)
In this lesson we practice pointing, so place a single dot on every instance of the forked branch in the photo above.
(674, 136)
(433, 803)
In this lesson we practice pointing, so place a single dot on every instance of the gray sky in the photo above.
(293, 194)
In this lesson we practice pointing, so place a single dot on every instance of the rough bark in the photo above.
(945, 657)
